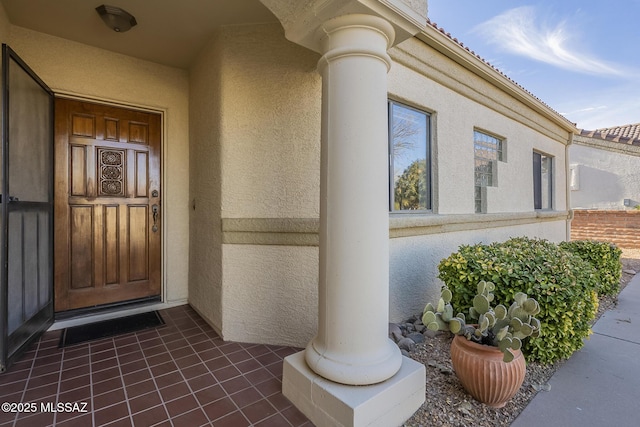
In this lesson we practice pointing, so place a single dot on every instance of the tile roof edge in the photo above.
(498, 72)
(606, 136)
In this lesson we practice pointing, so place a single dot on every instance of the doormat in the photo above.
(110, 328)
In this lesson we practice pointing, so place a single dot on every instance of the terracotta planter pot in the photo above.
(483, 374)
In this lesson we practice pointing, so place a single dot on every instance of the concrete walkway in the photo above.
(600, 384)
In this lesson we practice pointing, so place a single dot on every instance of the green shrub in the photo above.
(605, 257)
(563, 284)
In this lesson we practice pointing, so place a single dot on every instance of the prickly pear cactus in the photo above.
(500, 327)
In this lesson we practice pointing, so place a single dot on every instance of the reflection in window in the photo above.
(542, 181)
(409, 159)
(487, 152)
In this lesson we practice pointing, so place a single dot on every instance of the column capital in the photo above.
(303, 20)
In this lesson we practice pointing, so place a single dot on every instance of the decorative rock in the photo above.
(406, 344)
(416, 337)
(393, 327)
(397, 336)
(428, 333)
(405, 353)
(632, 272)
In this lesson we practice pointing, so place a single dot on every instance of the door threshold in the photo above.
(85, 316)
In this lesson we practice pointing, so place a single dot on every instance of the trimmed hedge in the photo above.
(605, 257)
(563, 284)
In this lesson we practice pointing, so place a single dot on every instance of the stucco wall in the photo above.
(255, 121)
(76, 69)
(4, 25)
(460, 102)
(205, 262)
(4, 37)
(270, 133)
(604, 175)
(270, 294)
(269, 140)
(270, 125)
(414, 261)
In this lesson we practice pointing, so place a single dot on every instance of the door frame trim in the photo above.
(163, 166)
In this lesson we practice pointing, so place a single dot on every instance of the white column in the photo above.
(351, 374)
(352, 345)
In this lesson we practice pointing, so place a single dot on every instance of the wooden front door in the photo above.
(107, 204)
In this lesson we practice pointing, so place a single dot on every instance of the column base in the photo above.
(325, 403)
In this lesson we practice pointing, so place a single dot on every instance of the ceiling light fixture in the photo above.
(119, 20)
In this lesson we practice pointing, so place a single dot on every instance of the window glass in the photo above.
(542, 181)
(487, 151)
(410, 164)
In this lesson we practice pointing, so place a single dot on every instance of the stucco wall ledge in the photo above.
(271, 231)
(304, 231)
(406, 226)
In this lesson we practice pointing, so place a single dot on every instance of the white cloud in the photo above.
(517, 32)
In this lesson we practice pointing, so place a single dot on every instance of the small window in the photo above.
(542, 181)
(409, 159)
(488, 150)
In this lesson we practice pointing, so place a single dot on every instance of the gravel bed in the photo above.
(448, 405)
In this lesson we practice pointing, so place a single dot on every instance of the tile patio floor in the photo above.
(180, 374)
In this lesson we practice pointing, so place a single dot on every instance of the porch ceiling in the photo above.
(169, 32)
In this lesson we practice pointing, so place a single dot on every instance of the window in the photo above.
(488, 150)
(409, 159)
(542, 181)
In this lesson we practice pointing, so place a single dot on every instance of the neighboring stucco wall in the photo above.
(603, 174)
(72, 68)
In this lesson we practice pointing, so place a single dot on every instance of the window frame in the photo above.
(428, 159)
(501, 156)
(538, 202)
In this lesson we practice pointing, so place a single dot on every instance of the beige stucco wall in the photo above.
(270, 129)
(242, 201)
(4, 25)
(76, 69)
(255, 124)
(4, 37)
(270, 125)
(268, 140)
(414, 260)
(205, 262)
(460, 102)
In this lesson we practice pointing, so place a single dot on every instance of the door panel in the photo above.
(26, 279)
(107, 180)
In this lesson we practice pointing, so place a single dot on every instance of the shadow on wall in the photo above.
(598, 189)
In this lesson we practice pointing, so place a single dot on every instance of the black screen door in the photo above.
(26, 218)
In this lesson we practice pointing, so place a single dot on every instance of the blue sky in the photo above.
(582, 58)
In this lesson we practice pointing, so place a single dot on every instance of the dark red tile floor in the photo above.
(180, 374)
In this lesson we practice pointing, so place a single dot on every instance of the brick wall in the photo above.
(619, 227)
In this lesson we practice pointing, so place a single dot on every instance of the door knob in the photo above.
(155, 211)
